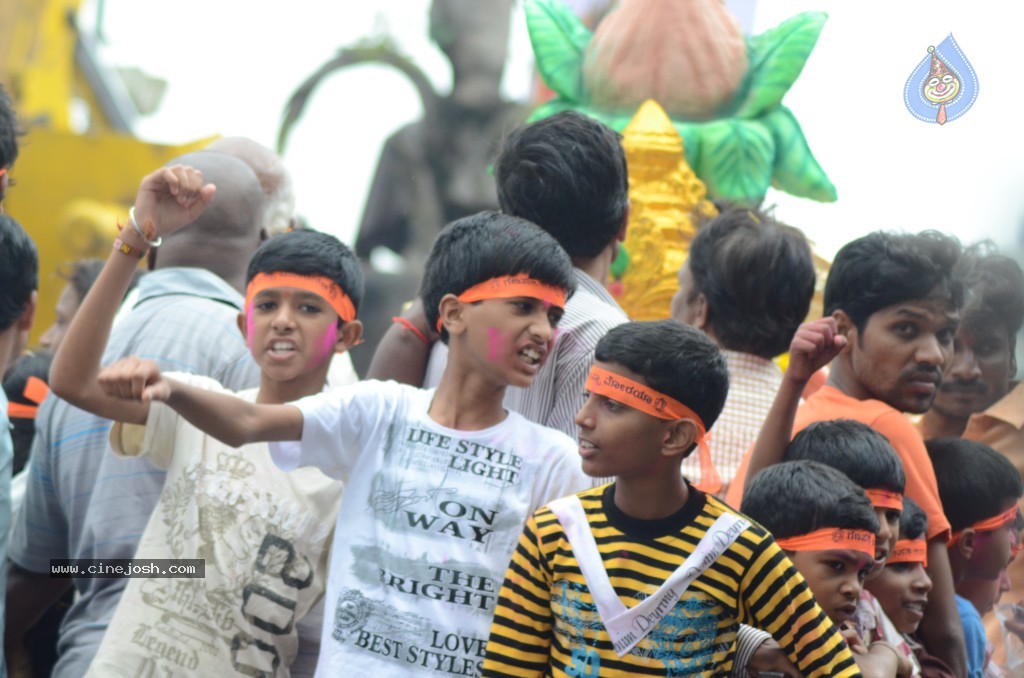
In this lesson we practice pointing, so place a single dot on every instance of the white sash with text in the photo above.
(628, 626)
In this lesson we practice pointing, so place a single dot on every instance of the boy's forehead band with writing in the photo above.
(509, 286)
(909, 551)
(1004, 519)
(644, 398)
(884, 499)
(831, 539)
(520, 285)
(322, 286)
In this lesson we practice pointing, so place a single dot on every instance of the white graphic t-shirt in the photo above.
(427, 525)
(263, 533)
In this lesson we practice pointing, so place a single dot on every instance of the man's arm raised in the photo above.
(167, 200)
(227, 418)
(814, 345)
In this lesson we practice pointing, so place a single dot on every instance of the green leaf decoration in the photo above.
(796, 171)
(777, 57)
(558, 38)
(735, 159)
(690, 132)
(620, 264)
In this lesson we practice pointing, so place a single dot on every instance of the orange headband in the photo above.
(509, 286)
(322, 286)
(646, 399)
(831, 539)
(36, 391)
(909, 551)
(885, 499)
(989, 524)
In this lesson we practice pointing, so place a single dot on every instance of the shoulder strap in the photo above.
(628, 626)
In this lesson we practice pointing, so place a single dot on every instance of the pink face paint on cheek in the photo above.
(493, 343)
(325, 346)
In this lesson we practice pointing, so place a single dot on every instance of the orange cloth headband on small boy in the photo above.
(509, 286)
(319, 285)
(885, 499)
(831, 539)
(36, 390)
(646, 399)
(1007, 517)
(909, 551)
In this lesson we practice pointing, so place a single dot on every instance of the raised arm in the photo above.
(227, 418)
(167, 200)
(404, 350)
(814, 345)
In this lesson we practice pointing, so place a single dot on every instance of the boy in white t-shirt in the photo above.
(263, 533)
(438, 483)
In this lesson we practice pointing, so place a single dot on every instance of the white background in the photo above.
(231, 65)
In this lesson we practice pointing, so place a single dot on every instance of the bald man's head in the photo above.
(224, 237)
(275, 180)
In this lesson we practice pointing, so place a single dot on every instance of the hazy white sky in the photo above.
(231, 65)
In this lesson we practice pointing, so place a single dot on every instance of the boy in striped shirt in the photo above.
(648, 575)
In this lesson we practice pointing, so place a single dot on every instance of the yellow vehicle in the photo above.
(79, 164)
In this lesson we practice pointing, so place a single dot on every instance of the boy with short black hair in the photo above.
(827, 526)
(979, 489)
(263, 533)
(825, 520)
(648, 575)
(438, 483)
(865, 457)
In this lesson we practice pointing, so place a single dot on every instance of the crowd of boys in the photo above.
(540, 487)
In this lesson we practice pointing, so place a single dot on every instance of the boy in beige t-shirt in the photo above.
(263, 533)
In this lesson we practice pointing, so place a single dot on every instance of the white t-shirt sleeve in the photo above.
(156, 438)
(337, 426)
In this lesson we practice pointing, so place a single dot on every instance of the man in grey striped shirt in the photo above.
(567, 174)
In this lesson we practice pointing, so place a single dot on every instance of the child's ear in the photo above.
(241, 326)
(679, 438)
(700, 321)
(28, 314)
(621, 235)
(965, 544)
(450, 312)
(350, 335)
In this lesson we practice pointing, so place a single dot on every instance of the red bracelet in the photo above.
(407, 324)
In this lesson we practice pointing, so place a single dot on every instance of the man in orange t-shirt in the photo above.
(895, 300)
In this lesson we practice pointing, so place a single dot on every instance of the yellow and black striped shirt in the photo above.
(546, 623)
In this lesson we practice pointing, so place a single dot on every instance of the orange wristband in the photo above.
(407, 324)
